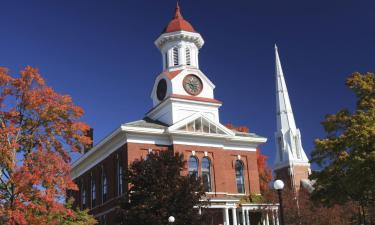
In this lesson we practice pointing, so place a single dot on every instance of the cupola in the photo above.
(179, 44)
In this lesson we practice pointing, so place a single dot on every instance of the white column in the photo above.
(267, 218)
(277, 217)
(247, 217)
(243, 217)
(263, 218)
(225, 216)
(234, 215)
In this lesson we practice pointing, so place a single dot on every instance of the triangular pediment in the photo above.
(198, 123)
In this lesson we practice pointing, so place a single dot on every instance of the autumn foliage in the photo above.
(38, 130)
(265, 173)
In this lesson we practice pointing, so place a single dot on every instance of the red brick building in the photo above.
(185, 119)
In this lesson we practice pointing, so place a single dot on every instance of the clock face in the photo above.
(192, 84)
(161, 90)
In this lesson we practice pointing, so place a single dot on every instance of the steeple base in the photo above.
(292, 175)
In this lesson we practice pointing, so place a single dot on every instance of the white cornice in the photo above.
(96, 147)
(290, 164)
(196, 38)
(161, 105)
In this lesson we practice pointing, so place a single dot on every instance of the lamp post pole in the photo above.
(278, 185)
(281, 206)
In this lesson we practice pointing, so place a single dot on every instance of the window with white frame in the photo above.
(240, 180)
(193, 166)
(206, 174)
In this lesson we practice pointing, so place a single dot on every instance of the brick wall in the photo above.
(299, 173)
(222, 171)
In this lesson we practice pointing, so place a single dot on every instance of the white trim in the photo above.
(106, 212)
(142, 130)
(148, 139)
(194, 37)
(74, 173)
(290, 164)
(248, 149)
(223, 200)
(96, 147)
(237, 194)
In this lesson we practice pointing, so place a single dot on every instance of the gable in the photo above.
(198, 123)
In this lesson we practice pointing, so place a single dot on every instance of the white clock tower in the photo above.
(182, 89)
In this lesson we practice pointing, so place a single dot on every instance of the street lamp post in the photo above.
(171, 220)
(278, 185)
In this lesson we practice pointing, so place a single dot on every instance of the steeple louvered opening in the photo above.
(188, 60)
(175, 56)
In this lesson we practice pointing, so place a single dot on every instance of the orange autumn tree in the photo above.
(265, 173)
(39, 128)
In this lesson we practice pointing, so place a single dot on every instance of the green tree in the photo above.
(158, 189)
(75, 217)
(347, 154)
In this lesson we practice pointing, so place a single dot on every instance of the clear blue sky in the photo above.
(102, 54)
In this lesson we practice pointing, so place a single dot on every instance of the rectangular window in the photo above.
(83, 196)
(93, 192)
(119, 178)
(104, 186)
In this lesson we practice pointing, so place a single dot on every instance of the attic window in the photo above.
(202, 125)
(175, 56)
(188, 57)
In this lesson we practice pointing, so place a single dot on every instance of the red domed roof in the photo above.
(178, 23)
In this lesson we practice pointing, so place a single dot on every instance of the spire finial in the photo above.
(178, 12)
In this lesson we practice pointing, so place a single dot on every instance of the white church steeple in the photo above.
(288, 137)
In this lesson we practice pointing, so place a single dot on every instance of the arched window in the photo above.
(240, 181)
(104, 187)
(206, 174)
(93, 193)
(193, 166)
(188, 62)
(175, 56)
(119, 177)
(83, 197)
